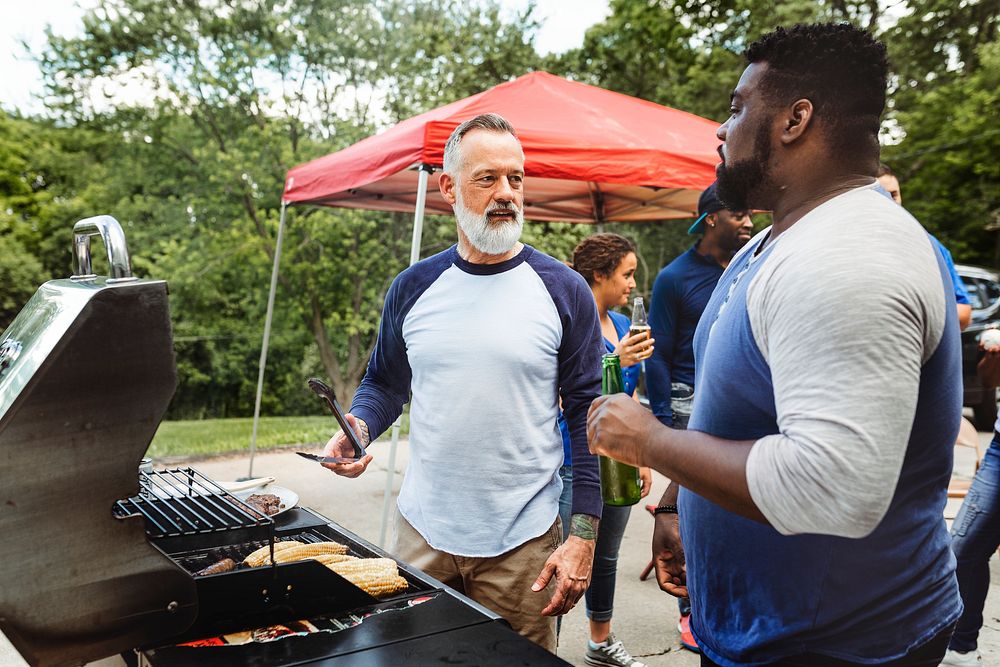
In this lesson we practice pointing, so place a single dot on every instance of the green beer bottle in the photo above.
(620, 483)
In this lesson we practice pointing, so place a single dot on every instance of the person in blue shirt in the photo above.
(607, 262)
(680, 294)
(890, 183)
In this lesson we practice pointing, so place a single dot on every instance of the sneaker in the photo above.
(956, 659)
(612, 654)
(687, 637)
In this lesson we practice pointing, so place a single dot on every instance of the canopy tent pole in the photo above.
(424, 171)
(267, 336)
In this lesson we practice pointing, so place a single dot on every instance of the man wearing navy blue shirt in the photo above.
(680, 294)
(815, 468)
(487, 336)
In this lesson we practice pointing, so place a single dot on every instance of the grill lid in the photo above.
(86, 373)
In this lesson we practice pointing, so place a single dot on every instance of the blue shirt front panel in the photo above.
(630, 378)
(680, 294)
(759, 596)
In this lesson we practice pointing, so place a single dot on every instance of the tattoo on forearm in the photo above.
(583, 526)
(365, 437)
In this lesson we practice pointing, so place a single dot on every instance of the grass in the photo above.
(211, 437)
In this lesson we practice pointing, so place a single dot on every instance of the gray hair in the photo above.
(491, 122)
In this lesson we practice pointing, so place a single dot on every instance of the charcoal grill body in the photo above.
(443, 628)
(79, 404)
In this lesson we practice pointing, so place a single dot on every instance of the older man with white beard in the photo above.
(487, 336)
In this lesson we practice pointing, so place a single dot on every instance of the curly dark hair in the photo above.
(841, 69)
(600, 254)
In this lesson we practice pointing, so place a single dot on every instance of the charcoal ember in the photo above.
(268, 503)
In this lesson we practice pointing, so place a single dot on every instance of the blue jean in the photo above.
(600, 596)
(975, 538)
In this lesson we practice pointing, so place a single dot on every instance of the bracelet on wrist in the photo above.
(665, 509)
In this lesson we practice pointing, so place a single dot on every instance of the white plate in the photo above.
(289, 498)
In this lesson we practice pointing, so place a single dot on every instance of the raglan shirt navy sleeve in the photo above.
(579, 361)
(385, 388)
(664, 309)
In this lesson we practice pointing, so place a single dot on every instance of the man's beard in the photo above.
(740, 184)
(487, 237)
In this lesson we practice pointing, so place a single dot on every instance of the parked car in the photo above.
(983, 286)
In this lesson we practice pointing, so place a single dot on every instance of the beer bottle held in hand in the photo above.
(639, 324)
(620, 484)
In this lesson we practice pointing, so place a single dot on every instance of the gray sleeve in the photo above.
(845, 318)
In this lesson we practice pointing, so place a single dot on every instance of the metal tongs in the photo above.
(326, 393)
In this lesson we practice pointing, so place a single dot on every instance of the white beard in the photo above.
(486, 237)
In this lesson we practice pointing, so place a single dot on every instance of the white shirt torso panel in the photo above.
(484, 445)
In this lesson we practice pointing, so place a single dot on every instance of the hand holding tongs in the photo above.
(324, 392)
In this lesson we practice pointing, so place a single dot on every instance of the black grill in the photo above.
(87, 370)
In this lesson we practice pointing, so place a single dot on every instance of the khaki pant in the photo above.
(499, 583)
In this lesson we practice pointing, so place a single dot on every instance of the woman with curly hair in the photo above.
(608, 262)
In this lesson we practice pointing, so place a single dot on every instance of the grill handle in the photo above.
(114, 243)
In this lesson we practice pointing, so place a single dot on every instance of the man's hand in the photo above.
(339, 446)
(668, 555)
(618, 427)
(571, 564)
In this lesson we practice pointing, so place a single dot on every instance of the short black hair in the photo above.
(884, 170)
(840, 68)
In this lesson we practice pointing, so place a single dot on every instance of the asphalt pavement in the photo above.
(645, 618)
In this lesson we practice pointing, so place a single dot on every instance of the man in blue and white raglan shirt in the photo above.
(487, 336)
(815, 469)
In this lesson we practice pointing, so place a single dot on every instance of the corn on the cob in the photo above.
(304, 551)
(379, 586)
(263, 555)
(372, 567)
(376, 576)
(329, 559)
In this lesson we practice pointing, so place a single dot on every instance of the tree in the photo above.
(235, 94)
(947, 162)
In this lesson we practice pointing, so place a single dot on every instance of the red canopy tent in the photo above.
(591, 155)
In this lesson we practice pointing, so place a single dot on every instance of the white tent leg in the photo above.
(418, 228)
(418, 213)
(267, 337)
(390, 473)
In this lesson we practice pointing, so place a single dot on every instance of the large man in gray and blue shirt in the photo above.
(487, 336)
(815, 469)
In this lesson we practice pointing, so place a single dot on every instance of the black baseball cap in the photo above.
(708, 203)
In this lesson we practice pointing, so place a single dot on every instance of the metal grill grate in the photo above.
(198, 559)
(182, 501)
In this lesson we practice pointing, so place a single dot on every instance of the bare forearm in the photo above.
(712, 467)
(669, 496)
